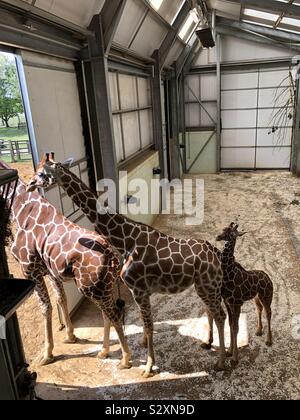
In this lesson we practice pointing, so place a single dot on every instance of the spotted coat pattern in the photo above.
(152, 262)
(46, 243)
(241, 286)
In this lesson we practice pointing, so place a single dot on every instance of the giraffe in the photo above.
(152, 262)
(46, 243)
(241, 286)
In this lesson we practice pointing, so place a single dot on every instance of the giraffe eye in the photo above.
(41, 175)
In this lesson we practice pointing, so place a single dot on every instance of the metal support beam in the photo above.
(85, 122)
(272, 6)
(157, 113)
(296, 133)
(219, 101)
(110, 16)
(226, 30)
(172, 34)
(27, 42)
(184, 57)
(97, 86)
(30, 10)
(262, 30)
(174, 141)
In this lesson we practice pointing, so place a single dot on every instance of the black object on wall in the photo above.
(206, 37)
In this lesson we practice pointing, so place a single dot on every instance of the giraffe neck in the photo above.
(228, 259)
(113, 226)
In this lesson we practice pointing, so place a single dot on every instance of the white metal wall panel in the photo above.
(144, 92)
(271, 79)
(266, 118)
(146, 127)
(264, 138)
(118, 137)
(149, 37)
(242, 99)
(237, 49)
(193, 116)
(79, 12)
(133, 124)
(267, 98)
(133, 13)
(128, 92)
(208, 87)
(270, 157)
(233, 158)
(131, 132)
(248, 110)
(238, 138)
(113, 85)
(239, 119)
(208, 118)
(240, 81)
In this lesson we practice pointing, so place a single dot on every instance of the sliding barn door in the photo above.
(251, 102)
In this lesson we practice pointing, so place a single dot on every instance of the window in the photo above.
(168, 9)
(132, 114)
(189, 26)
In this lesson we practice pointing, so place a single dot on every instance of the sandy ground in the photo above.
(263, 202)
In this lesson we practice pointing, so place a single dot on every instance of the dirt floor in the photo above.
(268, 207)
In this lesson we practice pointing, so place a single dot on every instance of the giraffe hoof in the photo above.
(259, 333)
(148, 375)
(103, 355)
(124, 366)
(269, 343)
(229, 354)
(46, 361)
(206, 346)
(144, 343)
(71, 340)
(219, 367)
(234, 363)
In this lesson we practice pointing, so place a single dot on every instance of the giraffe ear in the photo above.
(68, 163)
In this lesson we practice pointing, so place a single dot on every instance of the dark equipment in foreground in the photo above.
(15, 380)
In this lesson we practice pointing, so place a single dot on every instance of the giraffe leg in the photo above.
(125, 363)
(260, 308)
(144, 340)
(106, 342)
(42, 295)
(230, 351)
(213, 302)
(113, 317)
(267, 303)
(208, 345)
(145, 307)
(236, 310)
(63, 304)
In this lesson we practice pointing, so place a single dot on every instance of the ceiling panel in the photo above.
(79, 12)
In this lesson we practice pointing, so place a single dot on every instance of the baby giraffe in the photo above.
(241, 286)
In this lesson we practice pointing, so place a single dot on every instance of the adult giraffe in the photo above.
(152, 262)
(46, 243)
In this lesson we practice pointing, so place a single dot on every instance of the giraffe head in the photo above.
(47, 173)
(230, 233)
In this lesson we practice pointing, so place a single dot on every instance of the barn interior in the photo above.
(191, 90)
